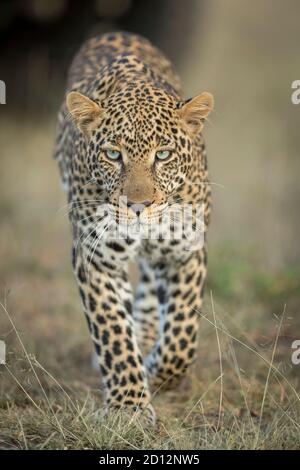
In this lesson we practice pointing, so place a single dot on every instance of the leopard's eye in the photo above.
(113, 154)
(163, 154)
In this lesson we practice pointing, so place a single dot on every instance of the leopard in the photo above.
(130, 148)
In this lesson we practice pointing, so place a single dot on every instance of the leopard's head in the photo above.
(139, 144)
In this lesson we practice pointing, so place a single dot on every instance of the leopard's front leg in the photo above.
(107, 301)
(180, 293)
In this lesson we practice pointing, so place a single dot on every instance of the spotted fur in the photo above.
(124, 96)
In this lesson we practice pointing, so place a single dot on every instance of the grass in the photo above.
(242, 392)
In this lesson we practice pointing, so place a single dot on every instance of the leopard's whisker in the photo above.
(79, 241)
(97, 216)
(209, 183)
(98, 238)
(95, 229)
(89, 234)
(92, 180)
(90, 205)
(79, 201)
(82, 202)
(90, 256)
(194, 225)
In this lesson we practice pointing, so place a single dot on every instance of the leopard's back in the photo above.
(101, 51)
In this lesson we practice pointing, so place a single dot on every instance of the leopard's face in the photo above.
(139, 147)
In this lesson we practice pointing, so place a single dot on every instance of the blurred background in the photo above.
(245, 53)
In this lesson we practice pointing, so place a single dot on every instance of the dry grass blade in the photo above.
(268, 379)
(220, 362)
(31, 365)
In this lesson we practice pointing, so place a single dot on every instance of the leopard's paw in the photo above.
(145, 416)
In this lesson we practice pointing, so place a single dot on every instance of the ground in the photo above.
(242, 393)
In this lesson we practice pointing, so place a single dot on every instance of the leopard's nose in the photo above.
(138, 207)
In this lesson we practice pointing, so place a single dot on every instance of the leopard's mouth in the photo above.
(145, 216)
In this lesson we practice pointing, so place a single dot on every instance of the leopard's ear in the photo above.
(195, 111)
(83, 110)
